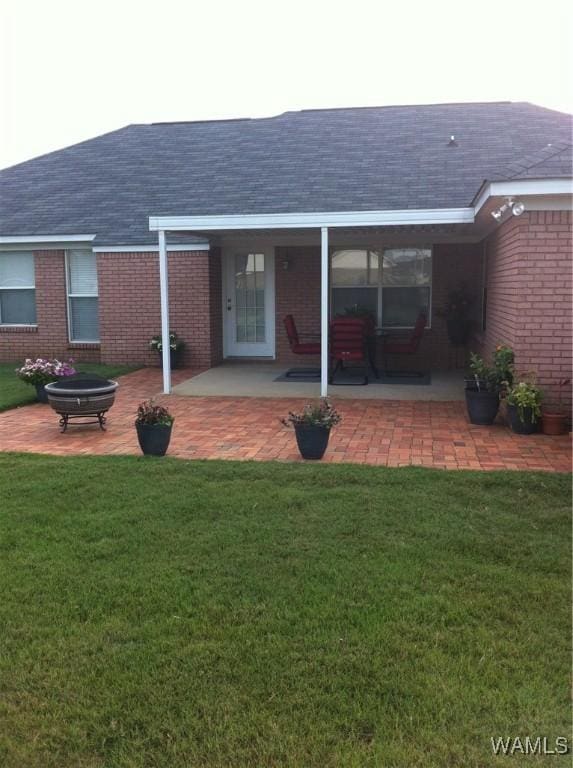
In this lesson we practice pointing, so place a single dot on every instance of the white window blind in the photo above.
(83, 303)
(83, 273)
(17, 288)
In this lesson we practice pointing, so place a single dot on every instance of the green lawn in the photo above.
(179, 614)
(14, 392)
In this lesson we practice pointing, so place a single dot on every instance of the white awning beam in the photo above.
(164, 288)
(324, 311)
(313, 220)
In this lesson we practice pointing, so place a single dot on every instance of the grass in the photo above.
(211, 614)
(14, 392)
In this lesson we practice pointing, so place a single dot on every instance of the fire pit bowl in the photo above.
(85, 396)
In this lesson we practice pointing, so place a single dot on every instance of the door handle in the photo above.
(228, 305)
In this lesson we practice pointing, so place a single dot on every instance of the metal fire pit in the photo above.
(86, 396)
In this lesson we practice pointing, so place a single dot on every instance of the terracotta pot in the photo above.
(553, 423)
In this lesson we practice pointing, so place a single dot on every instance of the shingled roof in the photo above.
(552, 161)
(380, 158)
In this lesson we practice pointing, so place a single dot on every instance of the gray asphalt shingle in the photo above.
(323, 160)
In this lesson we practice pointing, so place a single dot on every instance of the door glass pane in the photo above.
(250, 297)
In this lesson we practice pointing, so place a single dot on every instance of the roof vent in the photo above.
(452, 142)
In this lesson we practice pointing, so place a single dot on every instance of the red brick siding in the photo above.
(529, 301)
(50, 338)
(130, 307)
(298, 293)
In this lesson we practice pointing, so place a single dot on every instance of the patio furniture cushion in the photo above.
(298, 347)
(348, 343)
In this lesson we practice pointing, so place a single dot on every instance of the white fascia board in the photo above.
(313, 220)
(33, 239)
(150, 248)
(523, 187)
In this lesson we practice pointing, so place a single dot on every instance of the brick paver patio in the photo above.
(385, 432)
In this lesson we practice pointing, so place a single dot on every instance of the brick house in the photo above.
(219, 229)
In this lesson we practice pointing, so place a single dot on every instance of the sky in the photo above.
(72, 70)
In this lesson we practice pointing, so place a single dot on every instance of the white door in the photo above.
(249, 303)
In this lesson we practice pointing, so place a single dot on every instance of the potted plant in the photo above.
(487, 383)
(456, 312)
(43, 371)
(312, 427)
(523, 407)
(176, 346)
(553, 418)
(482, 392)
(153, 424)
(503, 362)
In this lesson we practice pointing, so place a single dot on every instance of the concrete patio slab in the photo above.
(234, 379)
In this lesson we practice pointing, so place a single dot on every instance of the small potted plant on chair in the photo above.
(312, 427)
(153, 424)
(553, 418)
(523, 400)
(176, 346)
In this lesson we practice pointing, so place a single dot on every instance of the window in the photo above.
(83, 315)
(394, 284)
(355, 280)
(406, 284)
(17, 289)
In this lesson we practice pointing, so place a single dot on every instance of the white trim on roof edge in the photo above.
(149, 248)
(312, 220)
(19, 239)
(523, 187)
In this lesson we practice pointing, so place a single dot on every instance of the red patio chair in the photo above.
(408, 346)
(300, 348)
(348, 344)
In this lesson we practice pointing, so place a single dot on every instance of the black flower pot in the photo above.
(41, 394)
(153, 438)
(525, 426)
(175, 356)
(458, 330)
(475, 384)
(312, 440)
(482, 406)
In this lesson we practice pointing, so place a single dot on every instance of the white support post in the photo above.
(323, 311)
(164, 286)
